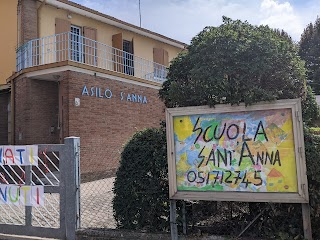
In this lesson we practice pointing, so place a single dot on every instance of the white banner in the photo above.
(22, 195)
(19, 155)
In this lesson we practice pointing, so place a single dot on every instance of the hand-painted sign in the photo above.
(231, 150)
(19, 155)
(21, 195)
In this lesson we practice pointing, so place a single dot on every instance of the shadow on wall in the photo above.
(4, 101)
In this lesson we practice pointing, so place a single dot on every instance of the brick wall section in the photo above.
(29, 20)
(36, 110)
(20, 109)
(64, 98)
(104, 125)
(4, 100)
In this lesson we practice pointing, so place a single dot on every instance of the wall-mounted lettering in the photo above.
(99, 92)
(132, 97)
(96, 92)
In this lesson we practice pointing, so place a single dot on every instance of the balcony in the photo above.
(71, 47)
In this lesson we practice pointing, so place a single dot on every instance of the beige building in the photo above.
(54, 31)
(8, 45)
(83, 73)
(8, 41)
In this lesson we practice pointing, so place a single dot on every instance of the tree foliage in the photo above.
(310, 108)
(235, 62)
(141, 184)
(238, 62)
(310, 52)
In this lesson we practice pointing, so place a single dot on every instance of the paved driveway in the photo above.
(96, 204)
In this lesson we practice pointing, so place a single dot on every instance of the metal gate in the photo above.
(58, 171)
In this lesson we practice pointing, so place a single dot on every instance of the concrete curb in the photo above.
(99, 234)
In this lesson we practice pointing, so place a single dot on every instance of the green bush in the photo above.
(315, 130)
(309, 51)
(141, 184)
(312, 149)
(310, 108)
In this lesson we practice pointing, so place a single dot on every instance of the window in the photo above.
(76, 45)
(128, 57)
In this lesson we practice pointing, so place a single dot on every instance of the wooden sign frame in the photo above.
(301, 196)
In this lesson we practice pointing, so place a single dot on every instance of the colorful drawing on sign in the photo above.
(21, 195)
(241, 151)
(19, 155)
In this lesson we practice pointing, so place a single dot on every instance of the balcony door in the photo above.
(122, 55)
(128, 60)
(76, 44)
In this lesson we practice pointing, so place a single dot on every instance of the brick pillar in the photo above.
(27, 20)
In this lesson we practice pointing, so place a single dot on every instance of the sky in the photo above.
(183, 19)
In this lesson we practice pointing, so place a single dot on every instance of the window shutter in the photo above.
(158, 55)
(117, 41)
(161, 56)
(90, 47)
(131, 46)
(117, 44)
(62, 26)
(165, 58)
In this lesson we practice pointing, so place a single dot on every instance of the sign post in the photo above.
(238, 153)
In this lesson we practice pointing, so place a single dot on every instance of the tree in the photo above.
(310, 52)
(238, 62)
(235, 62)
(310, 108)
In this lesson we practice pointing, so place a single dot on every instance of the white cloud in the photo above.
(270, 7)
(281, 15)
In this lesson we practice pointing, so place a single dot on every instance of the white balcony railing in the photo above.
(72, 47)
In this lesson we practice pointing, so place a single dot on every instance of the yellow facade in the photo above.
(8, 40)
(142, 45)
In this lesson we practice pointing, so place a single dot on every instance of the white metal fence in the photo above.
(73, 47)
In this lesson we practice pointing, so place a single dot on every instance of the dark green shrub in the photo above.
(315, 130)
(309, 51)
(141, 185)
(312, 149)
(310, 108)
